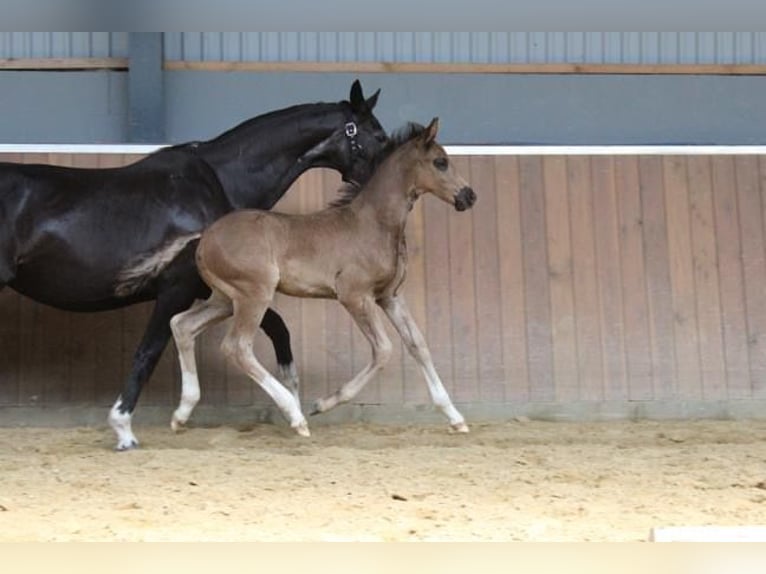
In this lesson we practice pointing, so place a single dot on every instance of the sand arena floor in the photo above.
(511, 481)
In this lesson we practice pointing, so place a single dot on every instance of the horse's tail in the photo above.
(145, 267)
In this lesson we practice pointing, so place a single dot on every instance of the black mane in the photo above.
(406, 133)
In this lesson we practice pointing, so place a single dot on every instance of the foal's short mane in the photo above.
(401, 136)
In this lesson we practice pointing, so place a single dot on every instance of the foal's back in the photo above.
(250, 251)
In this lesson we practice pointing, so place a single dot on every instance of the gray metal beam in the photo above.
(146, 94)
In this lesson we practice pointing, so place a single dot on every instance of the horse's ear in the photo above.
(372, 100)
(429, 136)
(356, 97)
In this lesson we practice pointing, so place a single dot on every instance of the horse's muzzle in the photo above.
(464, 199)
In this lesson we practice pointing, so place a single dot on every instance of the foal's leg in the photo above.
(364, 312)
(399, 314)
(186, 328)
(273, 325)
(237, 345)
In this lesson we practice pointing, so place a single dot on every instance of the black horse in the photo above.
(87, 239)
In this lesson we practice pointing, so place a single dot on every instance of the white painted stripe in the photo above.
(469, 150)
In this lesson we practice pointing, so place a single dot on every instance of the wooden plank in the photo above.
(706, 278)
(586, 295)
(10, 347)
(560, 269)
(609, 274)
(463, 294)
(731, 278)
(658, 285)
(754, 267)
(487, 281)
(536, 280)
(512, 282)
(635, 304)
(64, 64)
(685, 331)
(460, 68)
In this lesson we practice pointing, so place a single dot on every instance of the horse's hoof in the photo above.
(460, 427)
(126, 445)
(302, 429)
(317, 408)
(178, 426)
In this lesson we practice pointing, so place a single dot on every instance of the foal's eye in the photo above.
(441, 163)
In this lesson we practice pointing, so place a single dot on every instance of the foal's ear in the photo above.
(429, 136)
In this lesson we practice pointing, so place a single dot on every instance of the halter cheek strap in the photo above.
(351, 132)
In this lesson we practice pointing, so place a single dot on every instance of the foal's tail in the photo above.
(134, 277)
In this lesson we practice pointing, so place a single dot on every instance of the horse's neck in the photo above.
(258, 161)
(385, 203)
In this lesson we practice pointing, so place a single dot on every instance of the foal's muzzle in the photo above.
(464, 199)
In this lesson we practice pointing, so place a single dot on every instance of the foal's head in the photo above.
(433, 171)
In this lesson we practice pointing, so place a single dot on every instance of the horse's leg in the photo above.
(273, 325)
(186, 328)
(237, 345)
(364, 312)
(145, 359)
(397, 311)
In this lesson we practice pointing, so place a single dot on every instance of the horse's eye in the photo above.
(441, 163)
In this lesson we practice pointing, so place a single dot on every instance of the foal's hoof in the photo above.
(302, 429)
(460, 427)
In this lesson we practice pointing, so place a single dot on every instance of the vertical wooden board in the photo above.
(731, 278)
(463, 294)
(636, 308)
(536, 285)
(688, 381)
(10, 346)
(487, 281)
(438, 302)
(712, 365)
(609, 266)
(415, 293)
(754, 267)
(33, 368)
(586, 295)
(512, 281)
(659, 292)
(561, 281)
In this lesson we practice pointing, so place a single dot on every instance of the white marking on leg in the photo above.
(288, 374)
(413, 339)
(286, 403)
(121, 423)
(190, 395)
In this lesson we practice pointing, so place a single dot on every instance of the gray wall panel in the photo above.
(495, 109)
(477, 47)
(63, 107)
(63, 44)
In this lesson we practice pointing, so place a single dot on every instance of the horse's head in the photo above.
(434, 172)
(356, 142)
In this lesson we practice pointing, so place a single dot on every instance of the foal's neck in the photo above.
(387, 200)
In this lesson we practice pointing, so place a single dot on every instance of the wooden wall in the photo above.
(574, 279)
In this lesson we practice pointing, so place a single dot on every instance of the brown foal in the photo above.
(353, 251)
